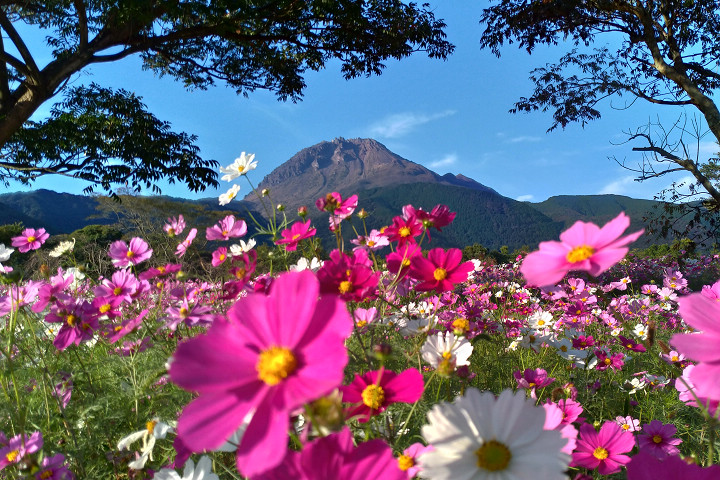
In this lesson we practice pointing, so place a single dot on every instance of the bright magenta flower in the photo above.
(602, 450)
(350, 277)
(219, 256)
(226, 229)
(658, 440)
(532, 379)
(335, 456)
(293, 235)
(271, 355)
(584, 246)
(441, 270)
(398, 262)
(334, 203)
(375, 391)
(30, 239)
(124, 255)
(18, 447)
(404, 230)
(701, 313)
(644, 466)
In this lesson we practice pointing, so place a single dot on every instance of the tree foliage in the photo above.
(107, 137)
(666, 52)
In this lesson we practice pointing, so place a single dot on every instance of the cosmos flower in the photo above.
(374, 391)
(153, 430)
(226, 229)
(262, 359)
(644, 466)
(30, 239)
(18, 447)
(203, 471)
(440, 271)
(445, 352)
(483, 437)
(124, 255)
(241, 166)
(584, 246)
(229, 196)
(296, 233)
(185, 244)
(658, 440)
(604, 449)
(174, 226)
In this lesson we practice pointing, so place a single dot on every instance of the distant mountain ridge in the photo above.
(369, 169)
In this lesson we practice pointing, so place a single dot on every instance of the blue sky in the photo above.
(450, 116)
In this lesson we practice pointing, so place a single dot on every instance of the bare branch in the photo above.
(82, 24)
(32, 67)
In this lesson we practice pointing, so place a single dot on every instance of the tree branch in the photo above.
(21, 47)
(82, 23)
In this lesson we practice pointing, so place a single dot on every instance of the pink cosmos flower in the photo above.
(440, 216)
(404, 230)
(49, 292)
(79, 322)
(657, 439)
(124, 255)
(63, 389)
(293, 235)
(335, 456)
(399, 261)
(644, 466)
(584, 246)
(628, 423)
(30, 239)
(372, 241)
(408, 460)
(333, 202)
(271, 355)
(350, 277)
(604, 449)
(185, 244)
(555, 420)
(532, 379)
(571, 410)
(605, 360)
(373, 392)
(685, 388)
(123, 284)
(175, 226)
(631, 344)
(701, 313)
(441, 270)
(364, 316)
(18, 447)
(226, 229)
(219, 256)
(54, 468)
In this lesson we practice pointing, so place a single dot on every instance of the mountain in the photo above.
(348, 166)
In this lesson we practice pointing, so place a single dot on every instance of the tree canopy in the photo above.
(108, 137)
(666, 52)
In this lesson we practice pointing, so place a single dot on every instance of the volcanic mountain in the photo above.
(348, 166)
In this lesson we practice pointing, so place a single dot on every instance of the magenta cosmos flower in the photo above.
(335, 456)
(271, 355)
(701, 313)
(658, 439)
(293, 235)
(532, 379)
(30, 239)
(124, 255)
(373, 392)
(604, 449)
(441, 270)
(644, 466)
(18, 447)
(584, 246)
(334, 203)
(175, 226)
(350, 277)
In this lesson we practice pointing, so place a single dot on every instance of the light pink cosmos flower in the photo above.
(219, 256)
(175, 226)
(604, 449)
(30, 239)
(293, 235)
(373, 392)
(372, 241)
(584, 246)
(701, 313)
(408, 460)
(334, 203)
(185, 244)
(18, 447)
(685, 388)
(226, 229)
(628, 423)
(335, 456)
(124, 255)
(271, 355)
(555, 420)
(658, 439)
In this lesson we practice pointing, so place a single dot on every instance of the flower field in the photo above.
(389, 359)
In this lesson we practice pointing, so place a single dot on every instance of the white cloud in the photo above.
(446, 161)
(399, 124)
(622, 186)
(523, 139)
(525, 198)
(708, 149)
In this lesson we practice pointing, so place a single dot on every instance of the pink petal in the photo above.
(265, 442)
(406, 387)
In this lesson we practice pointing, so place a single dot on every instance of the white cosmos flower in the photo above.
(640, 331)
(445, 349)
(62, 248)
(238, 249)
(480, 437)
(5, 252)
(241, 166)
(154, 429)
(228, 196)
(305, 264)
(203, 471)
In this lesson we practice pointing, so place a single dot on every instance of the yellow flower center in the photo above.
(224, 232)
(345, 286)
(404, 232)
(674, 358)
(150, 426)
(370, 243)
(46, 474)
(406, 262)
(461, 324)
(275, 364)
(130, 254)
(31, 239)
(373, 396)
(361, 323)
(625, 426)
(240, 273)
(578, 254)
(183, 312)
(607, 361)
(12, 455)
(600, 453)
(440, 274)
(446, 366)
(657, 439)
(117, 291)
(447, 355)
(71, 320)
(105, 308)
(161, 270)
(493, 456)
(405, 462)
